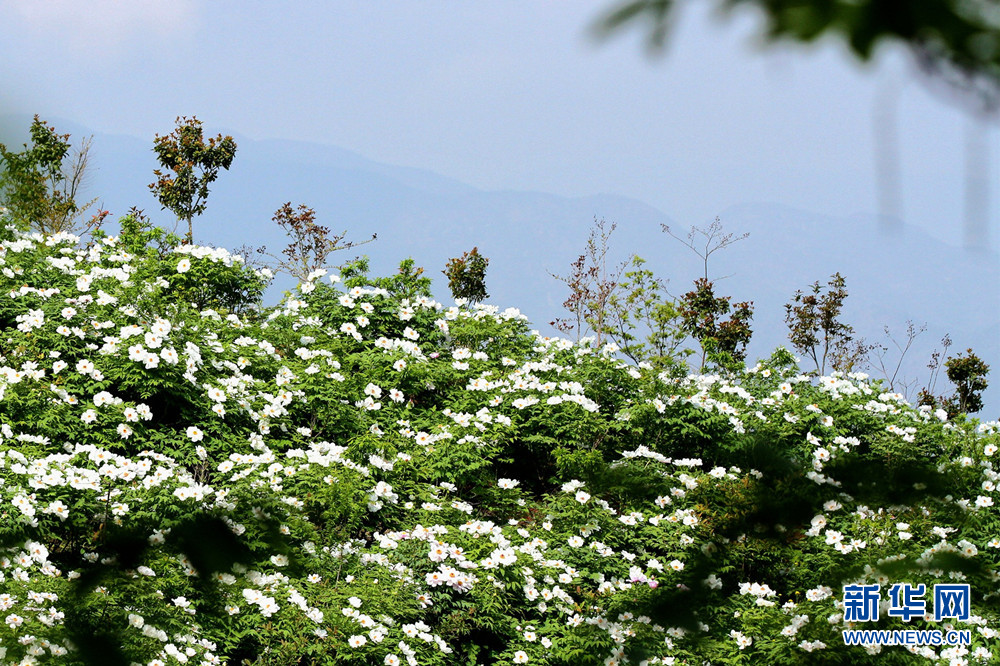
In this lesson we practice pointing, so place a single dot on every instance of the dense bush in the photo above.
(362, 475)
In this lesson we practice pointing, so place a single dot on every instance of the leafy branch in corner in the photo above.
(39, 185)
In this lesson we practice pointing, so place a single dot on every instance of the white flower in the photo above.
(195, 434)
(743, 642)
(507, 484)
(184, 265)
(968, 548)
(59, 509)
(356, 641)
(520, 657)
(267, 606)
(818, 593)
(713, 582)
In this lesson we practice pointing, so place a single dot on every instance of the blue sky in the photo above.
(509, 95)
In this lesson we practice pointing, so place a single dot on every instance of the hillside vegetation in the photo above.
(362, 475)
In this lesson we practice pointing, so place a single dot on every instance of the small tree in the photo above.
(701, 311)
(702, 315)
(968, 374)
(640, 306)
(311, 243)
(591, 285)
(579, 282)
(467, 276)
(39, 184)
(815, 329)
(190, 165)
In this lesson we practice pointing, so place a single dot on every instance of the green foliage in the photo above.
(702, 312)
(968, 374)
(955, 41)
(408, 284)
(363, 475)
(723, 342)
(640, 305)
(190, 164)
(39, 184)
(467, 276)
(815, 328)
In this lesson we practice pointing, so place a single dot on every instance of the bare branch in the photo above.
(714, 240)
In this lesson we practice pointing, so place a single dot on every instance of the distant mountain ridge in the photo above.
(891, 276)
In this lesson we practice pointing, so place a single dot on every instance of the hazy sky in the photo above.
(509, 95)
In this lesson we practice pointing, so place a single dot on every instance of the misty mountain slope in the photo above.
(891, 277)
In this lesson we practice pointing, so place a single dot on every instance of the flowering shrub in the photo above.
(363, 475)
